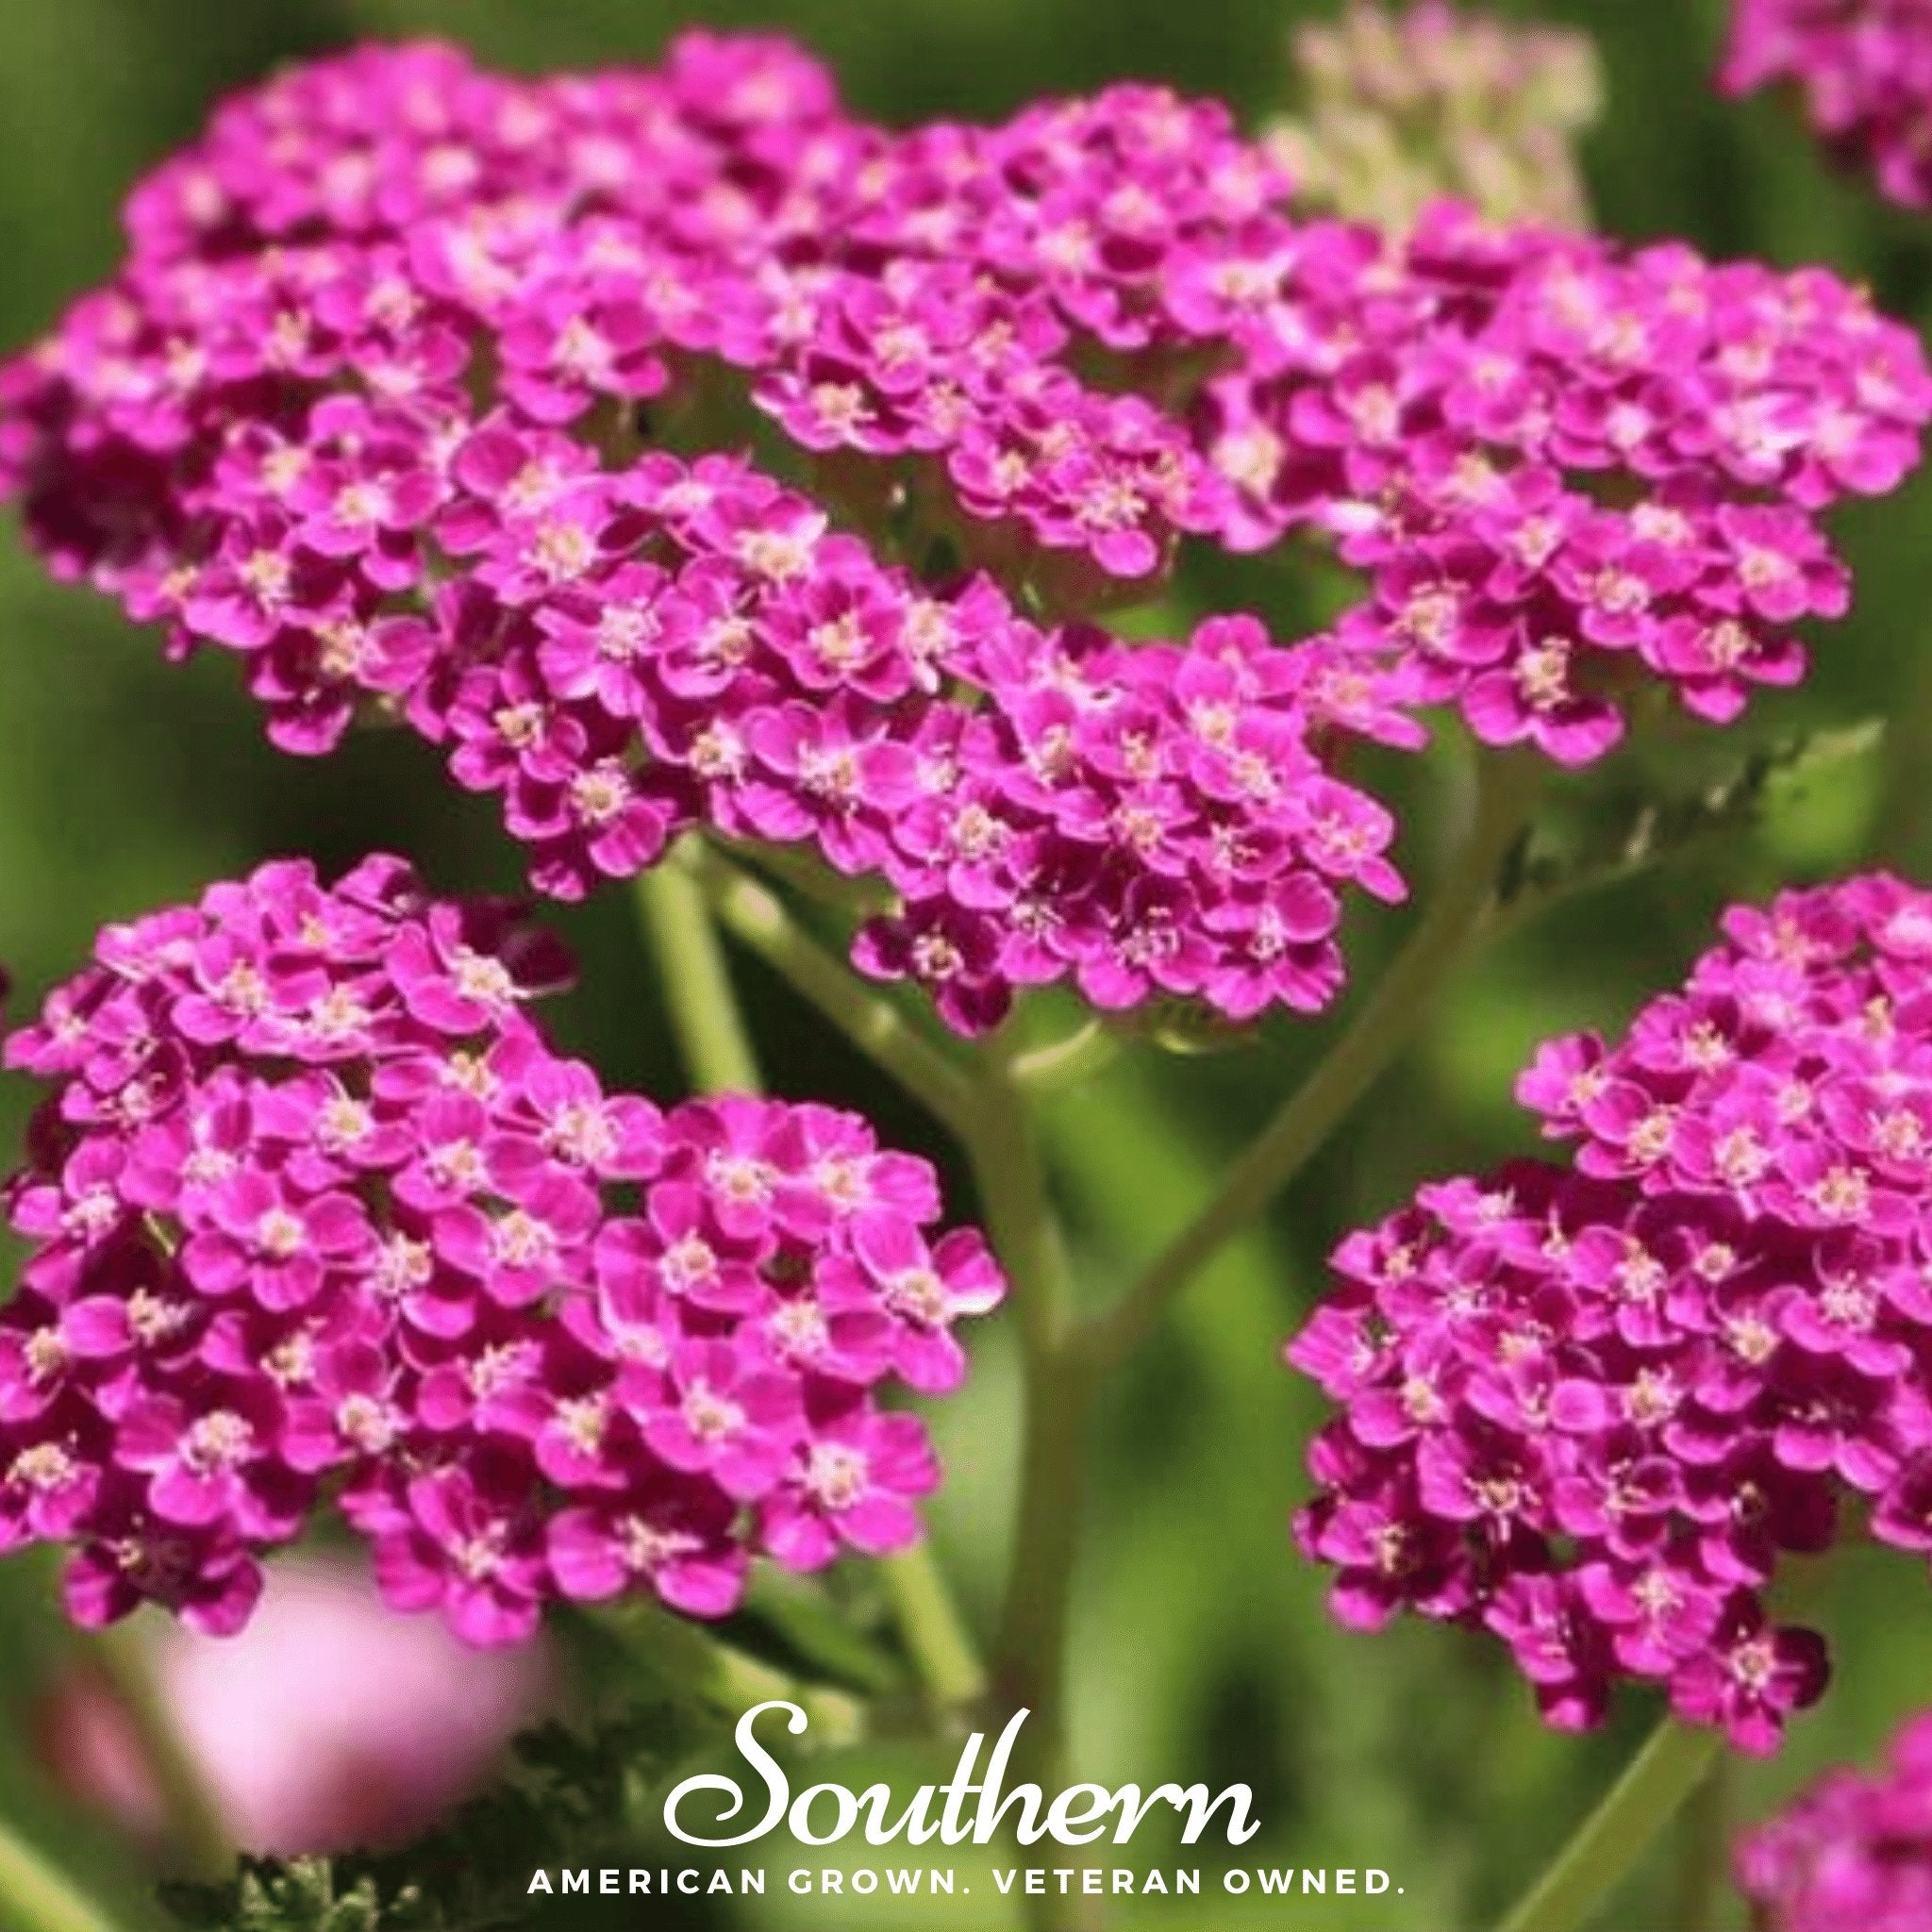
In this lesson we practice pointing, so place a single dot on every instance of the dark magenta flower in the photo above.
(1863, 70)
(1851, 1850)
(1592, 1407)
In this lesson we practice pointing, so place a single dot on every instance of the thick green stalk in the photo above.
(1381, 1027)
(1671, 1765)
(718, 1057)
(1704, 1853)
(1031, 1658)
(1029, 1667)
(932, 1629)
(757, 919)
(1030, 1652)
(36, 1897)
(700, 1671)
(704, 1017)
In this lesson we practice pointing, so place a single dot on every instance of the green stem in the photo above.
(36, 1897)
(194, 1820)
(757, 919)
(934, 1633)
(1654, 1785)
(1463, 900)
(699, 1670)
(704, 1012)
(1030, 1661)
(1704, 1853)
(814, 880)
(1012, 1185)
(1030, 1653)
(1029, 1669)
(1085, 1051)
(717, 1055)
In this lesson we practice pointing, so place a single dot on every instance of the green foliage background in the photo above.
(1201, 1646)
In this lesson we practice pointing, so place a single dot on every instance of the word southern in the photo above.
(823, 1814)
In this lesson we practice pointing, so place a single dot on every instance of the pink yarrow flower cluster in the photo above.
(1591, 1408)
(1855, 1849)
(276, 435)
(1863, 69)
(387, 397)
(316, 1216)
(1568, 472)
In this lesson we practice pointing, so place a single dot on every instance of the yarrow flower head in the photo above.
(1863, 69)
(1402, 108)
(1592, 1407)
(1856, 1849)
(404, 394)
(317, 1217)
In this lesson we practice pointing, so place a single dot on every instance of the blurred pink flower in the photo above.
(330, 1723)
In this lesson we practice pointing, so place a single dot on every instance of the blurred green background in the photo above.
(1201, 1650)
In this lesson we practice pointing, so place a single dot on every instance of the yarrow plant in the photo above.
(1594, 1408)
(316, 1215)
(741, 495)
(1862, 69)
(1855, 1849)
